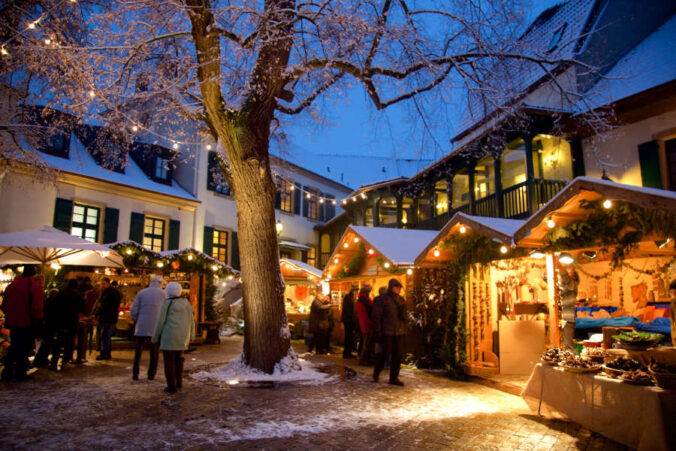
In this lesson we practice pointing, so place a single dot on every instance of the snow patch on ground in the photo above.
(289, 369)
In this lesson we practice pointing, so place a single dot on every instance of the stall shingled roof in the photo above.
(494, 228)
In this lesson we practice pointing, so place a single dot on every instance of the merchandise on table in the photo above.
(554, 355)
(637, 377)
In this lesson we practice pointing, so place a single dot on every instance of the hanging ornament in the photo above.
(175, 264)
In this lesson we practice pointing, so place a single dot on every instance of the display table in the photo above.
(637, 416)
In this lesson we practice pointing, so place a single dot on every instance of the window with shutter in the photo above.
(208, 240)
(63, 213)
(297, 198)
(136, 227)
(648, 155)
(174, 233)
(111, 220)
(234, 262)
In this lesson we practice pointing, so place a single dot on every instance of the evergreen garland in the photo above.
(617, 230)
(355, 265)
(381, 263)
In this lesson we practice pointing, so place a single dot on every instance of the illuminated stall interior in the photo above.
(638, 288)
(507, 301)
(300, 285)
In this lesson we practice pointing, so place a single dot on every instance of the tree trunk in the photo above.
(265, 339)
(245, 137)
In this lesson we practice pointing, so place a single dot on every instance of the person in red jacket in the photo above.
(364, 308)
(22, 307)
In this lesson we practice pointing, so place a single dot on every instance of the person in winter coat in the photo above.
(50, 330)
(389, 327)
(174, 328)
(364, 310)
(68, 306)
(87, 319)
(144, 312)
(109, 306)
(320, 324)
(22, 307)
(349, 320)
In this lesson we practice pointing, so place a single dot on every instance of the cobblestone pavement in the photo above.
(98, 406)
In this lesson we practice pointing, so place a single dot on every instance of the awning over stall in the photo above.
(295, 268)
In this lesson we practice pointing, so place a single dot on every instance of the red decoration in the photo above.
(175, 264)
(301, 292)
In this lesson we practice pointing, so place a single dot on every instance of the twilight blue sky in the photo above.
(357, 145)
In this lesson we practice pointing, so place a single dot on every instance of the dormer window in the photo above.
(556, 37)
(161, 170)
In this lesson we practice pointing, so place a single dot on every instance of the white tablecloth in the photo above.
(637, 416)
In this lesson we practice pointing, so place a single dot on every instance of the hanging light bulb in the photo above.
(463, 229)
(134, 128)
(436, 252)
(3, 51)
(371, 252)
(333, 202)
(409, 271)
(175, 146)
(307, 196)
(345, 245)
(208, 146)
(160, 264)
(214, 267)
(92, 94)
(550, 223)
(387, 265)
(48, 41)
(536, 253)
(503, 249)
(321, 200)
(189, 257)
(363, 196)
(607, 204)
(565, 258)
(356, 239)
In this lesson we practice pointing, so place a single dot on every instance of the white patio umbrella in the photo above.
(47, 245)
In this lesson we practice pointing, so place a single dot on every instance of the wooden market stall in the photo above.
(507, 295)
(300, 286)
(619, 240)
(194, 270)
(373, 255)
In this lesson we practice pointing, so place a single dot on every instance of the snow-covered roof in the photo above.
(496, 228)
(400, 246)
(643, 196)
(568, 19)
(651, 63)
(304, 266)
(81, 162)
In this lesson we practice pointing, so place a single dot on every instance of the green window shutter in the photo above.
(136, 227)
(212, 163)
(110, 226)
(578, 158)
(322, 208)
(303, 256)
(297, 198)
(648, 157)
(207, 246)
(234, 258)
(306, 206)
(63, 214)
(330, 207)
(174, 230)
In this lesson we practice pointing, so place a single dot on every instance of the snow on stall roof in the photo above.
(649, 64)
(311, 269)
(400, 246)
(504, 226)
(81, 162)
(670, 195)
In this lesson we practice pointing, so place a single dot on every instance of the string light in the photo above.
(371, 252)
(503, 249)
(409, 271)
(160, 264)
(463, 229)
(92, 94)
(208, 146)
(607, 204)
(550, 223)
(175, 146)
(4, 51)
(307, 196)
(356, 239)
(48, 41)
(335, 261)
(345, 245)
(386, 265)
(129, 251)
(436, 252)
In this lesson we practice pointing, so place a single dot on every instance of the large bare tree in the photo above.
(237, 66)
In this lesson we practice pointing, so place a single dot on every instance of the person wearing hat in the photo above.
(348, 316)
(174, 328)
(389, 327)
(144, 312)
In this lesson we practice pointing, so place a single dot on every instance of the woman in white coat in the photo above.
(144, 312)
(174, 328)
